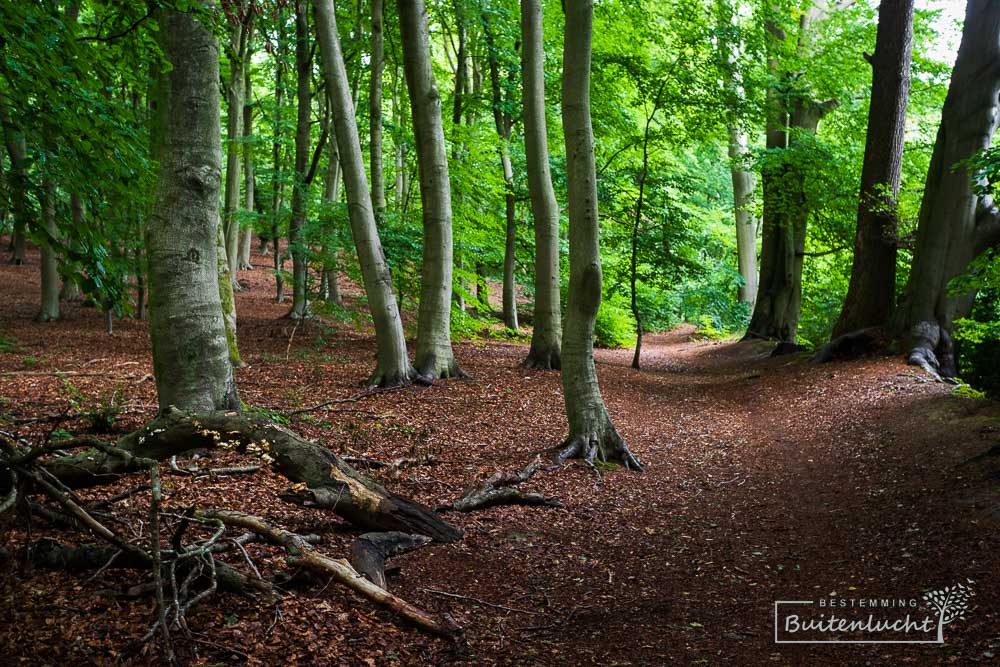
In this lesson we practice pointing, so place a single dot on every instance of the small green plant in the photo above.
(968, 391)
(464, 326)
(264, 412)
(9, 344)
(61, 434)
(100, 414)
(707, 329)
(30, 361)
(614, 326)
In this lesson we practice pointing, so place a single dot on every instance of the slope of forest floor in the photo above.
(766, 479)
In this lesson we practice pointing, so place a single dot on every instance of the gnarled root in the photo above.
(853, 345)
(933, 350)
(499, 490)
(608, 447)
(542, 360)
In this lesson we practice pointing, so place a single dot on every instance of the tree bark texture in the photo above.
(872, 291)
(956, 224)
(592, 436)
(434, 356)
(303, 98)
(392, 359)
(547, 323)
(190, 353)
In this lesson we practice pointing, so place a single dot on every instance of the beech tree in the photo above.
(792, 115)
(592, 436)
(393, 362)
(303, 100)
(957, 221)
(434, 356)
(547, 331)
(190, 352)
(872, 291)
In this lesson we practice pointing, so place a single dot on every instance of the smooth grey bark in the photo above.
(545, 352)
(503, 121)
(399, 150)
(956, 223)
(249, 179)
(739, 154)
(330, 282)
(872, 291)
(190, 352)
(49, 264)
(375, 111)
(592, 436)
(434, 356)
(70, 290)
(392, 360)
(303, 98)
(235, 97)
(744, 183)
(277, 164)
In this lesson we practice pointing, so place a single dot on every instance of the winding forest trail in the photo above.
(766, 479)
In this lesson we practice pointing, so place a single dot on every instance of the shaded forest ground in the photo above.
(767, 479)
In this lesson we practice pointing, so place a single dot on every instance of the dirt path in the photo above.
(766, 480)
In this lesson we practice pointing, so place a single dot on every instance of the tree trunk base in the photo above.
(933, 349)
(542, 360)
(593, 448)
(854, 344)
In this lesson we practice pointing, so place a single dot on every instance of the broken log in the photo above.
(301, 554)
(370, 552)
(330, 482)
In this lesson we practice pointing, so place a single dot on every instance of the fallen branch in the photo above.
(301, 554)
(313, 468)
(499, 490)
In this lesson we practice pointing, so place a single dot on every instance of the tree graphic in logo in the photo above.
(950, 603)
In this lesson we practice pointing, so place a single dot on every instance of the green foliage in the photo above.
(9, 344)
(708, 331)
(614, 326)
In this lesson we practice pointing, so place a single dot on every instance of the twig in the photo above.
(482, 602)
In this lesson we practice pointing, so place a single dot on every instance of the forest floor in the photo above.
(766, 479)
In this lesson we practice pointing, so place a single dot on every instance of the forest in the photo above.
(499, 332)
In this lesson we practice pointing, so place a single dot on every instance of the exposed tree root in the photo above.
(854, 344)
(302, 554)
(607, 447)
(314, 469)
(499, 490)
(933, 350)
(542, 360)
(370, 552)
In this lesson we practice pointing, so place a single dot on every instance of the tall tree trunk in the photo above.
(277, 184)
(249, 179)
(330, 284)
(70, 290)
(739, 152)
(399, 151)
(235, 96)
(746, 226)
(872, 290)
(303, 97)
(18, 151)
(592, 436)
(434, 356)
(502, 121)
(49, 265)
(375, 112)
(786, 211)
(956, 223)
(547, 325)
(190, 354)
(392, 360)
